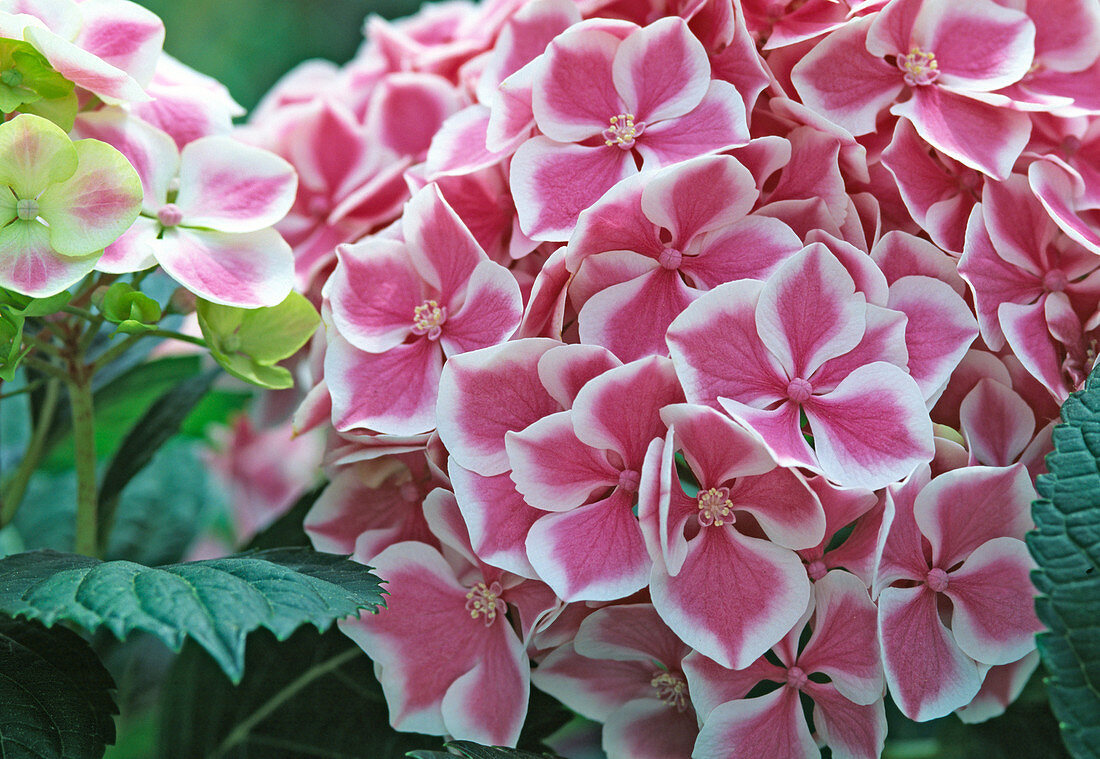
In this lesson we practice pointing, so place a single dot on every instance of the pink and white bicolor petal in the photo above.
(716, 124)
(374, 292)
(852, 731)
(997, 504)
(994, 618)
(771, 725)
(559, 547)
(926, 672)
(441, 248)
(497, 517)
(734, 596)
(229, 186)
(873, 429)
(29, 265)
(490, 314)
(392, 392)
(486, 393)
(661, 71)
(574, 95)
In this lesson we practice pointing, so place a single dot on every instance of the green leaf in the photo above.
(123, 305)
(54, 693)
(118, 406)
(475, 751)
(216, 602)
(216, 407)
(1066, 545)
(249, 342)
(312, 695)
(160, 423)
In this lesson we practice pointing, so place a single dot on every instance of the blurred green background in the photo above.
(249, 44)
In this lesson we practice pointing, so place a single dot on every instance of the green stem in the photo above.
(245, 727)
(112, 353)
(42, 345)
(80, 398)
(16, 488)
(176, 336)
(45, 367)
(81, 312)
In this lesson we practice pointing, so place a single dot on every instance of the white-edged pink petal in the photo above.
(229, 186)
(374, 292)
(29, 265)
(490, 314)
(574, 96)
(661, 71)
(926, 672)
(994, 620)
(486, 393)
(771, 725)
(497, 517)
(133, 250)
(716, 124)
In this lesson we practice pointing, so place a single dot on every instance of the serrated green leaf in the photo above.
(475, 751)
(54, 693)
(216, 602)
(160, 423)
(1066, 546)
(312, 695)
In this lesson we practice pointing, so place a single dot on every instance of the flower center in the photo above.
(799, 390)
(409, 492)
(936, 580)
(27, 209)
(623, 131)
(715, 507)
(671, 258)
(796, 678)
(629, 480)
(816, 569)
(919, 66)
(428, 319)
(170, 215)
(671, 688)
(1054, 281)
(484, 601)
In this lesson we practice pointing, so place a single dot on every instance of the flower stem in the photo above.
(80, 398)
(16, 488)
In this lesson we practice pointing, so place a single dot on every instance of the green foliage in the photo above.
(216, 602)
(118, 406)
(54, 693)
(133, 311)
(248, 343)
(30, 84)
(15, 309)
(161, 422)
(312, 695)
(474, 751)
(1066, 545)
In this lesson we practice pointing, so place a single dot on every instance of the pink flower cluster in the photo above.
(693, 360)
(207, 201)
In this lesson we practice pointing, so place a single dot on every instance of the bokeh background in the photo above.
(249, 44)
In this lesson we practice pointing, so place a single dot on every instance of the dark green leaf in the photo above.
(217, 602)
(216, 407)
(474, 751)
(54, 694)
(309, 696)
(160, 422)
(1066, 545)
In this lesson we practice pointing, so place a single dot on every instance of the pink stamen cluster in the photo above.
(755, 398)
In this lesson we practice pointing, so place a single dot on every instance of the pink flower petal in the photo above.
(844, 644)
(560, 549)
(124, 35)
(716, 124)
(574, 96)
(928, 675)
(29, 265)
(873, 429)
(649, 729)
(997, 504)
(697, 196)
(547, 185)
(440, 246)
(994, 602)
(750, 248)
(717, 333)
(714, 447)
(779, 428)
(392, 392)
(734, 596)
(497, 517)
(133, 251)
(407, 108)
(979, 135)
(552, 468)
(997, 423)
(246, 270)
(486, 393)
(594, 688)
(661, 71)
(232, 187)
(374, 292)
(808, 311)
(771, 725)
(564, 370)
(850, 730)
(491, 313)
(85, 69)
(979, 46)
(842, 80)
